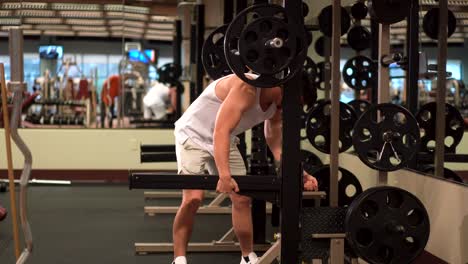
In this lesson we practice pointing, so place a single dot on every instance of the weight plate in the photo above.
(305, 9)
(349, 186)
(388, 12)
(325, 19)
(360, 106)
(359, 72)
(387, 225)
(389, 143)
(213, 58)
(448, 173)
(309, 91)
(359, 10)
(320, 46)
(318, 126)
(359, 38)
(431, 23)
(169, 72)
(454, 127)
(320, 76)
(252, 43)
(310, 161)
(275, 63)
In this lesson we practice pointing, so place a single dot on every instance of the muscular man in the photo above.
(206, 140)
(159, 101)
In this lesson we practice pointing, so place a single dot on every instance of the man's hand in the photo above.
(227, 185)
(310, 183)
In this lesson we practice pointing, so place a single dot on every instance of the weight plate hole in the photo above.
(364, 83)
(340, 144)
(415, 217)
(372, 156)
(394, 161)
(216, 37)
(364, 237)
(251, 37)
(431, 145)
(340, 175)
(455, 124)
(327, 109)
(412, 244)
(350, 190)
(349, 72)
(408, 140)
(252, 55)
(365, 64)
(394, 199)
(255, 15)
(426, 115)
(314, 122)
(265, 26)
(319, 140)
(363, 107)
(365, 135)
(400, 119)
(449, 141)
(422, 132)
(385, 254)
(369, 209)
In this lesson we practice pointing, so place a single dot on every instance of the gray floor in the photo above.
(99, 224)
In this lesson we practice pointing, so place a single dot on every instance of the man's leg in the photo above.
(184, 219)
(242, 222)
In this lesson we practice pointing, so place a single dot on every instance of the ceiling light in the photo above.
(85, 22)
(92, 34)
(163, 18)
(59, 33)
(136, 9)
(32, 20)
(113, 8)
(32, 32)
(10, 21)
(84, 14)
(158, 37)
(161, 26)
(135, 16)
(75, 7)
(160, 32)
(94, 29)
(33, 5)
(52, 27)
(36, 13)
(134, 24)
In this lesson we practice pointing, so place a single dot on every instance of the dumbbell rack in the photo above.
(59, 104)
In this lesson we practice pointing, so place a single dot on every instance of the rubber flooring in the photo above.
(100, 223)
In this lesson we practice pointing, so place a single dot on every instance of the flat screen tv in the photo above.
(51, 52)
(147, 57)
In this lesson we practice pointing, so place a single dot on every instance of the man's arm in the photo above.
(237, 102)
(273, 134)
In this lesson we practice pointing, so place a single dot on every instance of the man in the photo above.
(206, 140)
(157, 99)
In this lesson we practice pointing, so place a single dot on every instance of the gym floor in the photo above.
(100, 223)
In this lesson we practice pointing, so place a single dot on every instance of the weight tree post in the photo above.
(384, 80)
(291, 174)
(441, 89)
(200, 33)
(18, 87)
(177, 48)
(336, 245)
(374, 57)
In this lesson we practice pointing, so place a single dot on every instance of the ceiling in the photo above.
(152, 20)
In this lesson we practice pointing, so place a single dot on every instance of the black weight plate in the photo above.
(388, 12)
(349, 186)
(252, 48)
(454, 127)
(359, 10)
(448, 173)
(320, 76)
(251, 36)
(169, 72)
(387, 225)
(318, 126)
(309, 91)
(325, 19)
(310, 161)
(358, 73)
(359, 38)
(320, 46)
(387, 144)
(360, 106)
(431, 23)
(213, 57)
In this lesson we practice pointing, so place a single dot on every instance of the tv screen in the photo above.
(51, 52)
(147, 57)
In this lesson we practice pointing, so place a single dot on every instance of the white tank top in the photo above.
(198, 121)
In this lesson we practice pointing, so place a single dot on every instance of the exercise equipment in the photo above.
(387, 225)
(349, 186)
(360, 106)
(213, 57)
(320, 46)
(359, 11)
(318, 126)
(388, 12)
(267, 45)
(359, 73)
(359, 38)
(320, 76)
(386, 137)
(325, 21)
(310, 161)
(431, 23)
(169, 72)
(454, 127)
